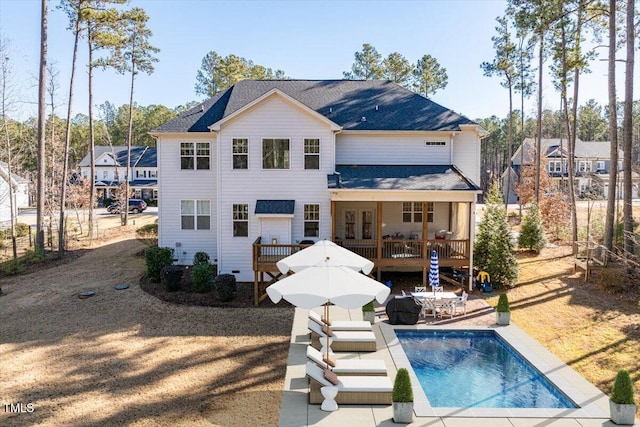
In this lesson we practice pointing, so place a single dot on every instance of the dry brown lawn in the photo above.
(125, 357)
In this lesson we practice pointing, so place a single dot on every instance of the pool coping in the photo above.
(592, 403)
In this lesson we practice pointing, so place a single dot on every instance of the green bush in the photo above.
(402, 391)
(368, 307)
(201, 258)
(171, 277)
(13, 267)
(532, 234)
(503, 304)
(226, 288)
(201, 277)
(22, 230)
(156, 259)
(622, 388)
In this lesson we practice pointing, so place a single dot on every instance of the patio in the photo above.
(295, 410)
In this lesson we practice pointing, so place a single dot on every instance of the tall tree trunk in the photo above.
(41, 128)
(129, 134)
(510, 142)
(67, 142)
(613, 134)
(627, 129)
(539, 127)
(92, 180)
(11, 191)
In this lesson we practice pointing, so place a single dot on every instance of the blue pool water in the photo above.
(476, 369)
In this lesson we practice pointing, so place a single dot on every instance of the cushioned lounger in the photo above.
(344, 340)
(341, 325)
(354, 390)
(349, 366)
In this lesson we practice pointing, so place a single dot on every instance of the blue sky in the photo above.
(306, 39)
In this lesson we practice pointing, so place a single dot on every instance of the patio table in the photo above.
(436, 295)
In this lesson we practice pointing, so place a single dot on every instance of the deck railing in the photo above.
(393, 251)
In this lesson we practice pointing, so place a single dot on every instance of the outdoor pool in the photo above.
(476, 369)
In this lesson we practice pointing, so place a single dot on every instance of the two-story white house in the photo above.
(266, 166)
(111, 170)
(591, 167)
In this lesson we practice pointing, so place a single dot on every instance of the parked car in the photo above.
(135, 206)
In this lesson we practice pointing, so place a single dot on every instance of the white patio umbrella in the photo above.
(319, 252)
(328, 282)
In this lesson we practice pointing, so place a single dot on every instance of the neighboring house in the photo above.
(591, 167)
(111, 169)
(20, 195)
(265, 166)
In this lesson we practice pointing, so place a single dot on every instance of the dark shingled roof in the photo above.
(400, 177)
(283, 207)
(352, 104)
(141, 155)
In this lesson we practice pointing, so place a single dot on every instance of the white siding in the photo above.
(466, 155)
(273, 118)
(175, 185)
(390, 149)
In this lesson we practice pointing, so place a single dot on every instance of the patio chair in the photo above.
(447, 307)
(461, 302)
(427, 306)
(437, 288)
(340, 325)
(352, 389)
(348, 366)
(420, 289)
(343, 340)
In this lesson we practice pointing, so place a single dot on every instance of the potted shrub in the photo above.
(621, 403)
(402, 397)
(503, 314)
(369, 312)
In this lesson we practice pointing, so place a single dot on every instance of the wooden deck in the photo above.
(387, 254)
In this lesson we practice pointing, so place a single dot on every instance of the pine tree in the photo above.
(493, 250)
(532, 234)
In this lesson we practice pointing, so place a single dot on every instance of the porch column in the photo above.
(425, 230)
(379, 238)
(333, 221)
(469, 246)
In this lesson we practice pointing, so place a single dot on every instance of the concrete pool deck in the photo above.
(296, 411)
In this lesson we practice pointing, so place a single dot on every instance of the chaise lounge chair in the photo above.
(341, 325)
(352, 390)
(348, 366)
(343, 340)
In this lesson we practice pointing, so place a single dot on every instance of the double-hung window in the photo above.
(194, 155)
(240, 150)
(412, 212)
(312, 153)
(312, 220)
(240, 220)
(195, 214)
(275, 153)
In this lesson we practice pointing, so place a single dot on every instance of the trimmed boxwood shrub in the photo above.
(171, 277)
(622, 388)
(503, 304)
(201, 258)
(402, 391)
(156, 259)
(201, 278)
(226, 288)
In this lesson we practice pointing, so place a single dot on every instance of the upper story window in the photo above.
(555, 166)
(153, 174)
(312, 153)
(240, 150)
(312, 220)
(600, 165)
(194, 155)
(241, 220)
(195, 214)
(584, 166)
(105, 174)
(275, 153)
